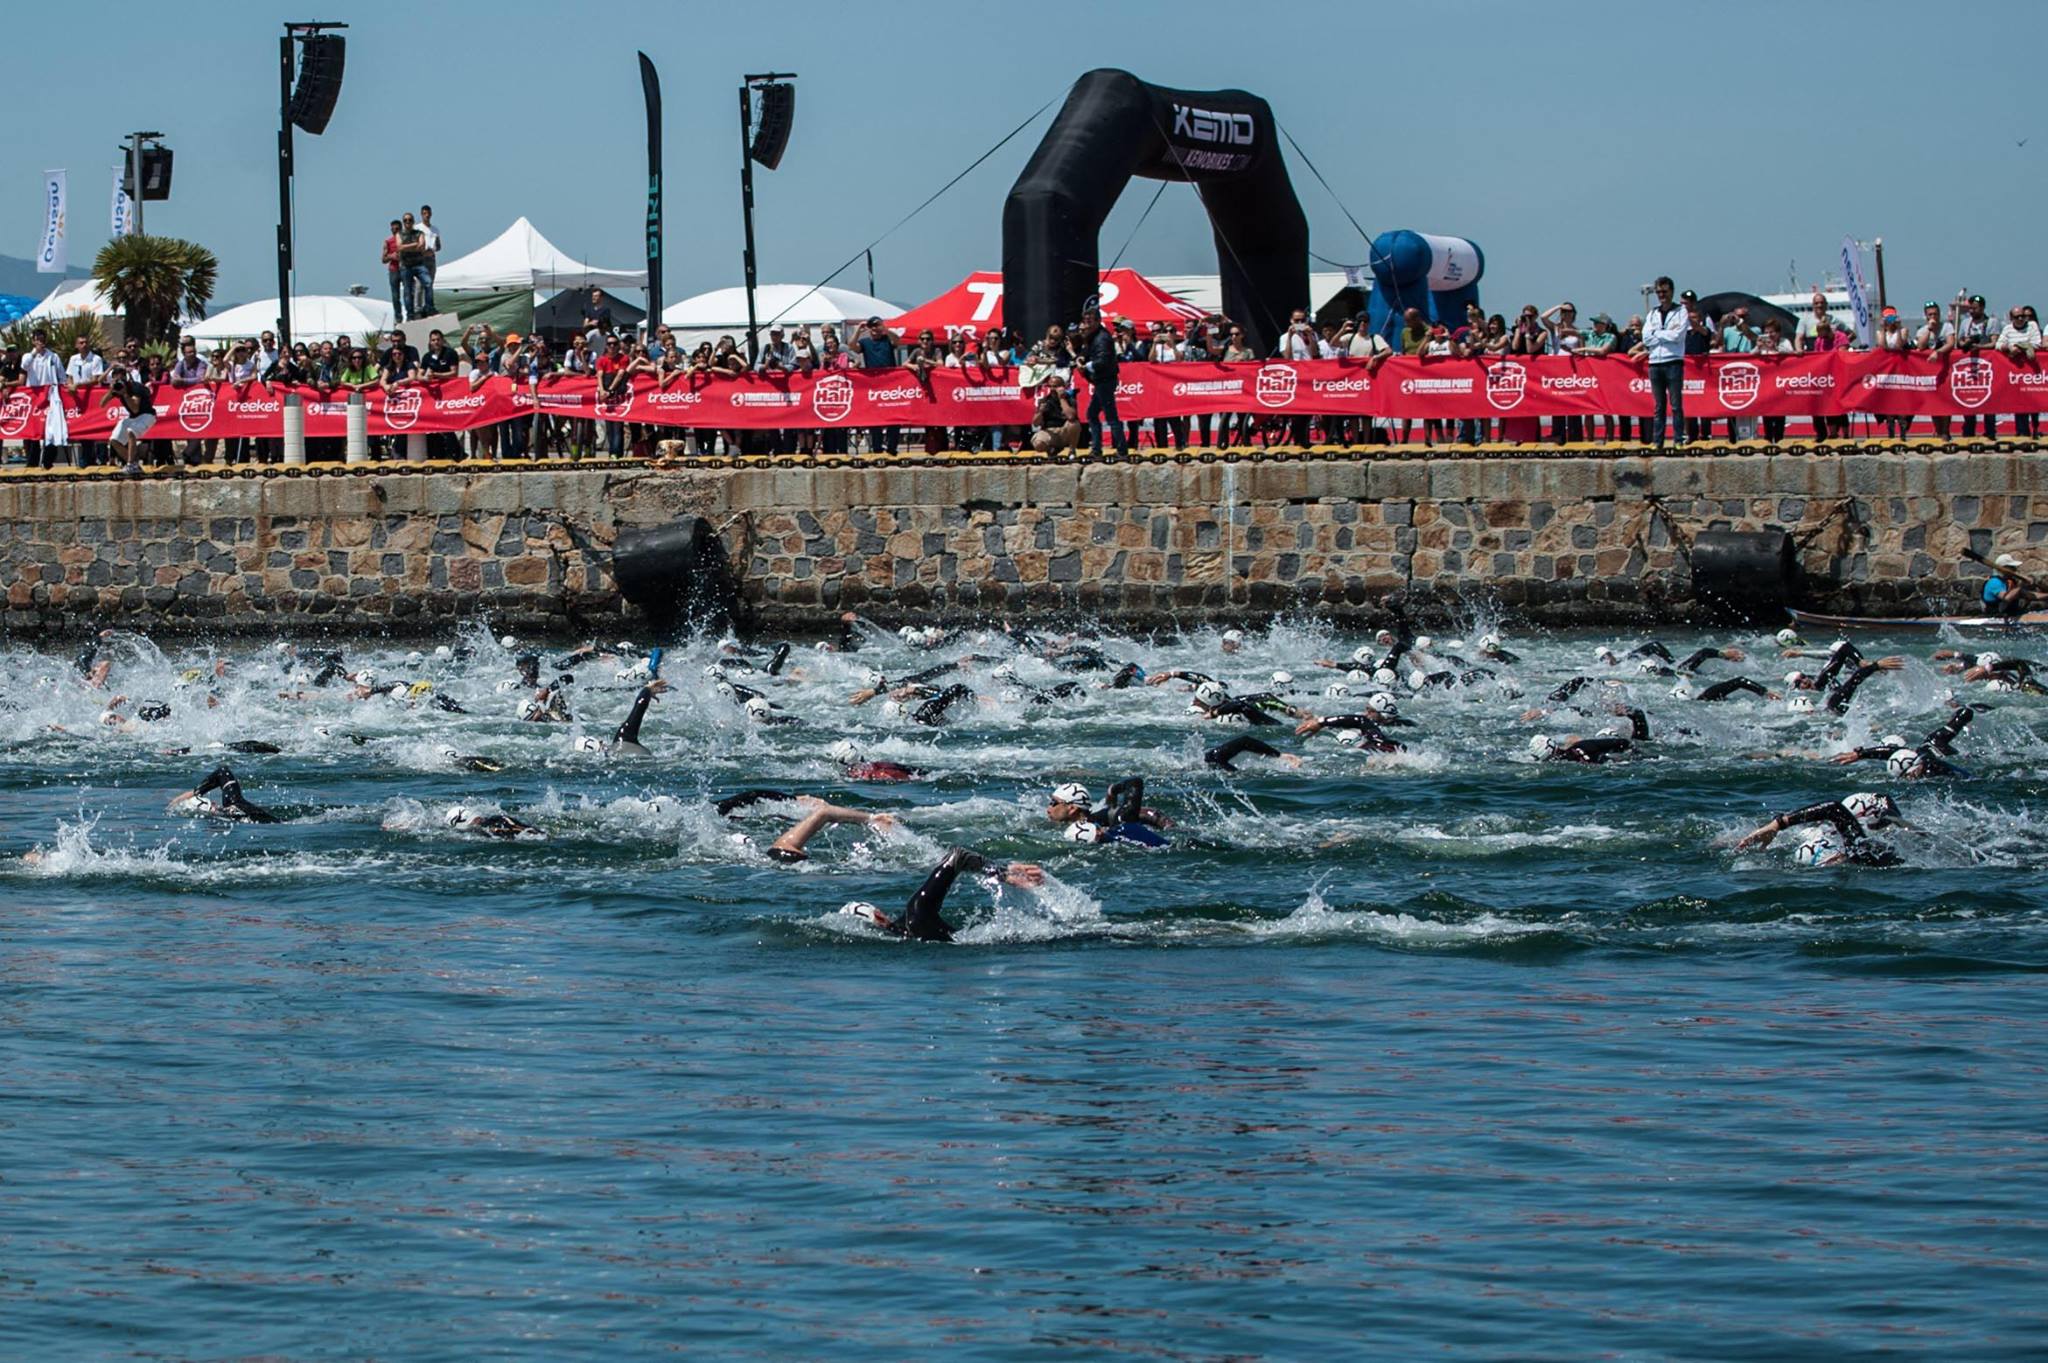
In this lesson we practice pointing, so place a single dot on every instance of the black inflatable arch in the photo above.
(1115, 126)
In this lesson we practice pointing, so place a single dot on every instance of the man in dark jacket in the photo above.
(1101, 368)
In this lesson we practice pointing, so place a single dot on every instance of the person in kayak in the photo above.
(1846, 839)
(2005, 592)
(1122, 817)
(921, 920)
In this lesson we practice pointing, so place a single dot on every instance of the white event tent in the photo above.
(315, 317)
(723, 312)
(71, 298)
(521, 258)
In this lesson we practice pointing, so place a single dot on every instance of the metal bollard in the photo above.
(358, 448)
(294, 429)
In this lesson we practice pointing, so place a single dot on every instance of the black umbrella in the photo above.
(1721, 304)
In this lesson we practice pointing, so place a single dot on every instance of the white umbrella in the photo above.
(708, 316)
(315, 317)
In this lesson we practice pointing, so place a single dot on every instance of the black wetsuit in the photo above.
(1705, 653)
(502, 826)
(1652, 649)
(1223, 754)
(628, 733)
(921, 919)
(1500, 655)
(1721, 690)
(529, 670)
(1569, 689)
(1368, 727)
(1591, 752)
(745, 799)
(1844, 691)
(1244, 707)
(1125, 675)
(1859, 847)
(233, 804)
(934, 710)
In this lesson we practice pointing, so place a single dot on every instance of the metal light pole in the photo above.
(134, 176)
(293, 32)
(747, 193)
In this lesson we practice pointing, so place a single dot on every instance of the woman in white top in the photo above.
(1166, 349)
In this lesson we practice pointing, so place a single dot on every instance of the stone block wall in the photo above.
(1557, 539)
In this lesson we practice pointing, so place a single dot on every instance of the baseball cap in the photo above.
(1689, 296)
(513, 338)
(873, 322)
(1977, 300)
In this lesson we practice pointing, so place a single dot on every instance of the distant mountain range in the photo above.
(20, 277)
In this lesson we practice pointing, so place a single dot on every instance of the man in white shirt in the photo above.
(433, 235)
(2019, 341)
(41, 368)
(85, 369)
(1298, 342)
(1664, 331)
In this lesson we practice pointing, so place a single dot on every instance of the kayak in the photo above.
(1815, 621)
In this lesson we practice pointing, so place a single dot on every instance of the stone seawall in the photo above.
(1564, 538)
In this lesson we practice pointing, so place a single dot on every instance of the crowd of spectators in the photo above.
(1674, 328)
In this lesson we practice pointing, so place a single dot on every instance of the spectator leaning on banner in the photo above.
(1975, 330)
(1663, 345)
(2019, 342)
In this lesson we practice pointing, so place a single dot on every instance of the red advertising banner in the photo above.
(1716, 387)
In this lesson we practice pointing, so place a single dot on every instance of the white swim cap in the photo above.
(1417, 679)
(282, 646)
(1211, 693)
(1892, 741)
(1422, 643)
(508, 642)
(1795, 677)
(1604, 654)
(1335, 690)
(1801, 703)
(1682, 691)
(931, 636)
(1488, 642)
(873, 679)
(1082, 831)
(1989, 660)
(1282, 679)
(586, 743)
(192, 804)
(415, 657)
(892, 708)
(1542, 745)
(1870, 808)
(1001, 671)
(1383, 637)
(757, 707)
(1351, 738)
(845, 752)
(1614, 731)
(1385, 676)
(1233, 636)
(443, 651)
(456, 815)
(446, 751)
(366, 678)
(1363, 655)
(1384, 702)
(724, 688)
(1358, 674)
(907, 633)
(1071, 793)
(1648, 666)
(1904, 762)
(2002, 684)
(1817, 848)
(1837, 646)
(860, 908)
(1788, 637)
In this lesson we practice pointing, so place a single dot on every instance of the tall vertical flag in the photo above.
(1859, 292)
(650, 86)
(52, 258)
(124, 207)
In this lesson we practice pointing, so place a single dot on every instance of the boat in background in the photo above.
(1816, 621)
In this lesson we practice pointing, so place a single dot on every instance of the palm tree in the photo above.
(153, 280)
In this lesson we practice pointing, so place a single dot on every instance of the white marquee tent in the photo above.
(72, 297)
(315, 317)
(521, 258)
(723, 312)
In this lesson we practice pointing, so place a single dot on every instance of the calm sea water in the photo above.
(1449, 1054)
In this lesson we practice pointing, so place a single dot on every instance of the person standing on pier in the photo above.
(1101, 368)
(1663, 345)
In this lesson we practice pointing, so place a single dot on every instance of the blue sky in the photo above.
(1586, 147)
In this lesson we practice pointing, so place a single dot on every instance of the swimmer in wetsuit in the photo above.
(921, 920)
(1924, 760)
(232, 805)
(1360, 730)
(934, 710)
(1847, 838)
(855, 767)
(1590, 752)
(626, 738)
(1123, 816)
(501, 826)
(1224, 755)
